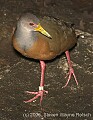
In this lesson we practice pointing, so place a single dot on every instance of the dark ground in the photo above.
(18, 74)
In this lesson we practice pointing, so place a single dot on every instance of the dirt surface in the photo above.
(18, 74)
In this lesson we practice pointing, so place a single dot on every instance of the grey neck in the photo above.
(25, 38)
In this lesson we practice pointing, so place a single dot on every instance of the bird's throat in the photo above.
(25, 39)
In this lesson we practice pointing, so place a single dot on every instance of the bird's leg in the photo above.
(41, 91)
(71, 70)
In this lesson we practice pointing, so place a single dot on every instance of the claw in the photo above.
(31, 100)
(71, 72)
(38, 94)
(41, 91)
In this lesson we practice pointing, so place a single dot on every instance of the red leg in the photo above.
(41, 91)
(71, 70)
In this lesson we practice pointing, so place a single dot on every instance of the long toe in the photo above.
(75, 78)
(71, 72)
(31, 92)
(31, 100)
(38, 94)
(67, 81)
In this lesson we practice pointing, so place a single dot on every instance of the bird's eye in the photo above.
(31, 24)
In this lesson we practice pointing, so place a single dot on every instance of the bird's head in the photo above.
(30, 22)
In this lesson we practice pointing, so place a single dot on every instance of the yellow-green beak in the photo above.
(40, 29)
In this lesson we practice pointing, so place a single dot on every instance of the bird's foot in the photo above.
(71, 72)
(40, 94)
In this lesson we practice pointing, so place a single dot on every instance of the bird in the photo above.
(44, 38)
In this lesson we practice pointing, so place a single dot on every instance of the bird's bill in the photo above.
(40, 29)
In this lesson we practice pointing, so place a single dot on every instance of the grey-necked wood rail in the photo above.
(43, 39)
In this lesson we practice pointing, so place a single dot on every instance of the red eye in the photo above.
(31, 24)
